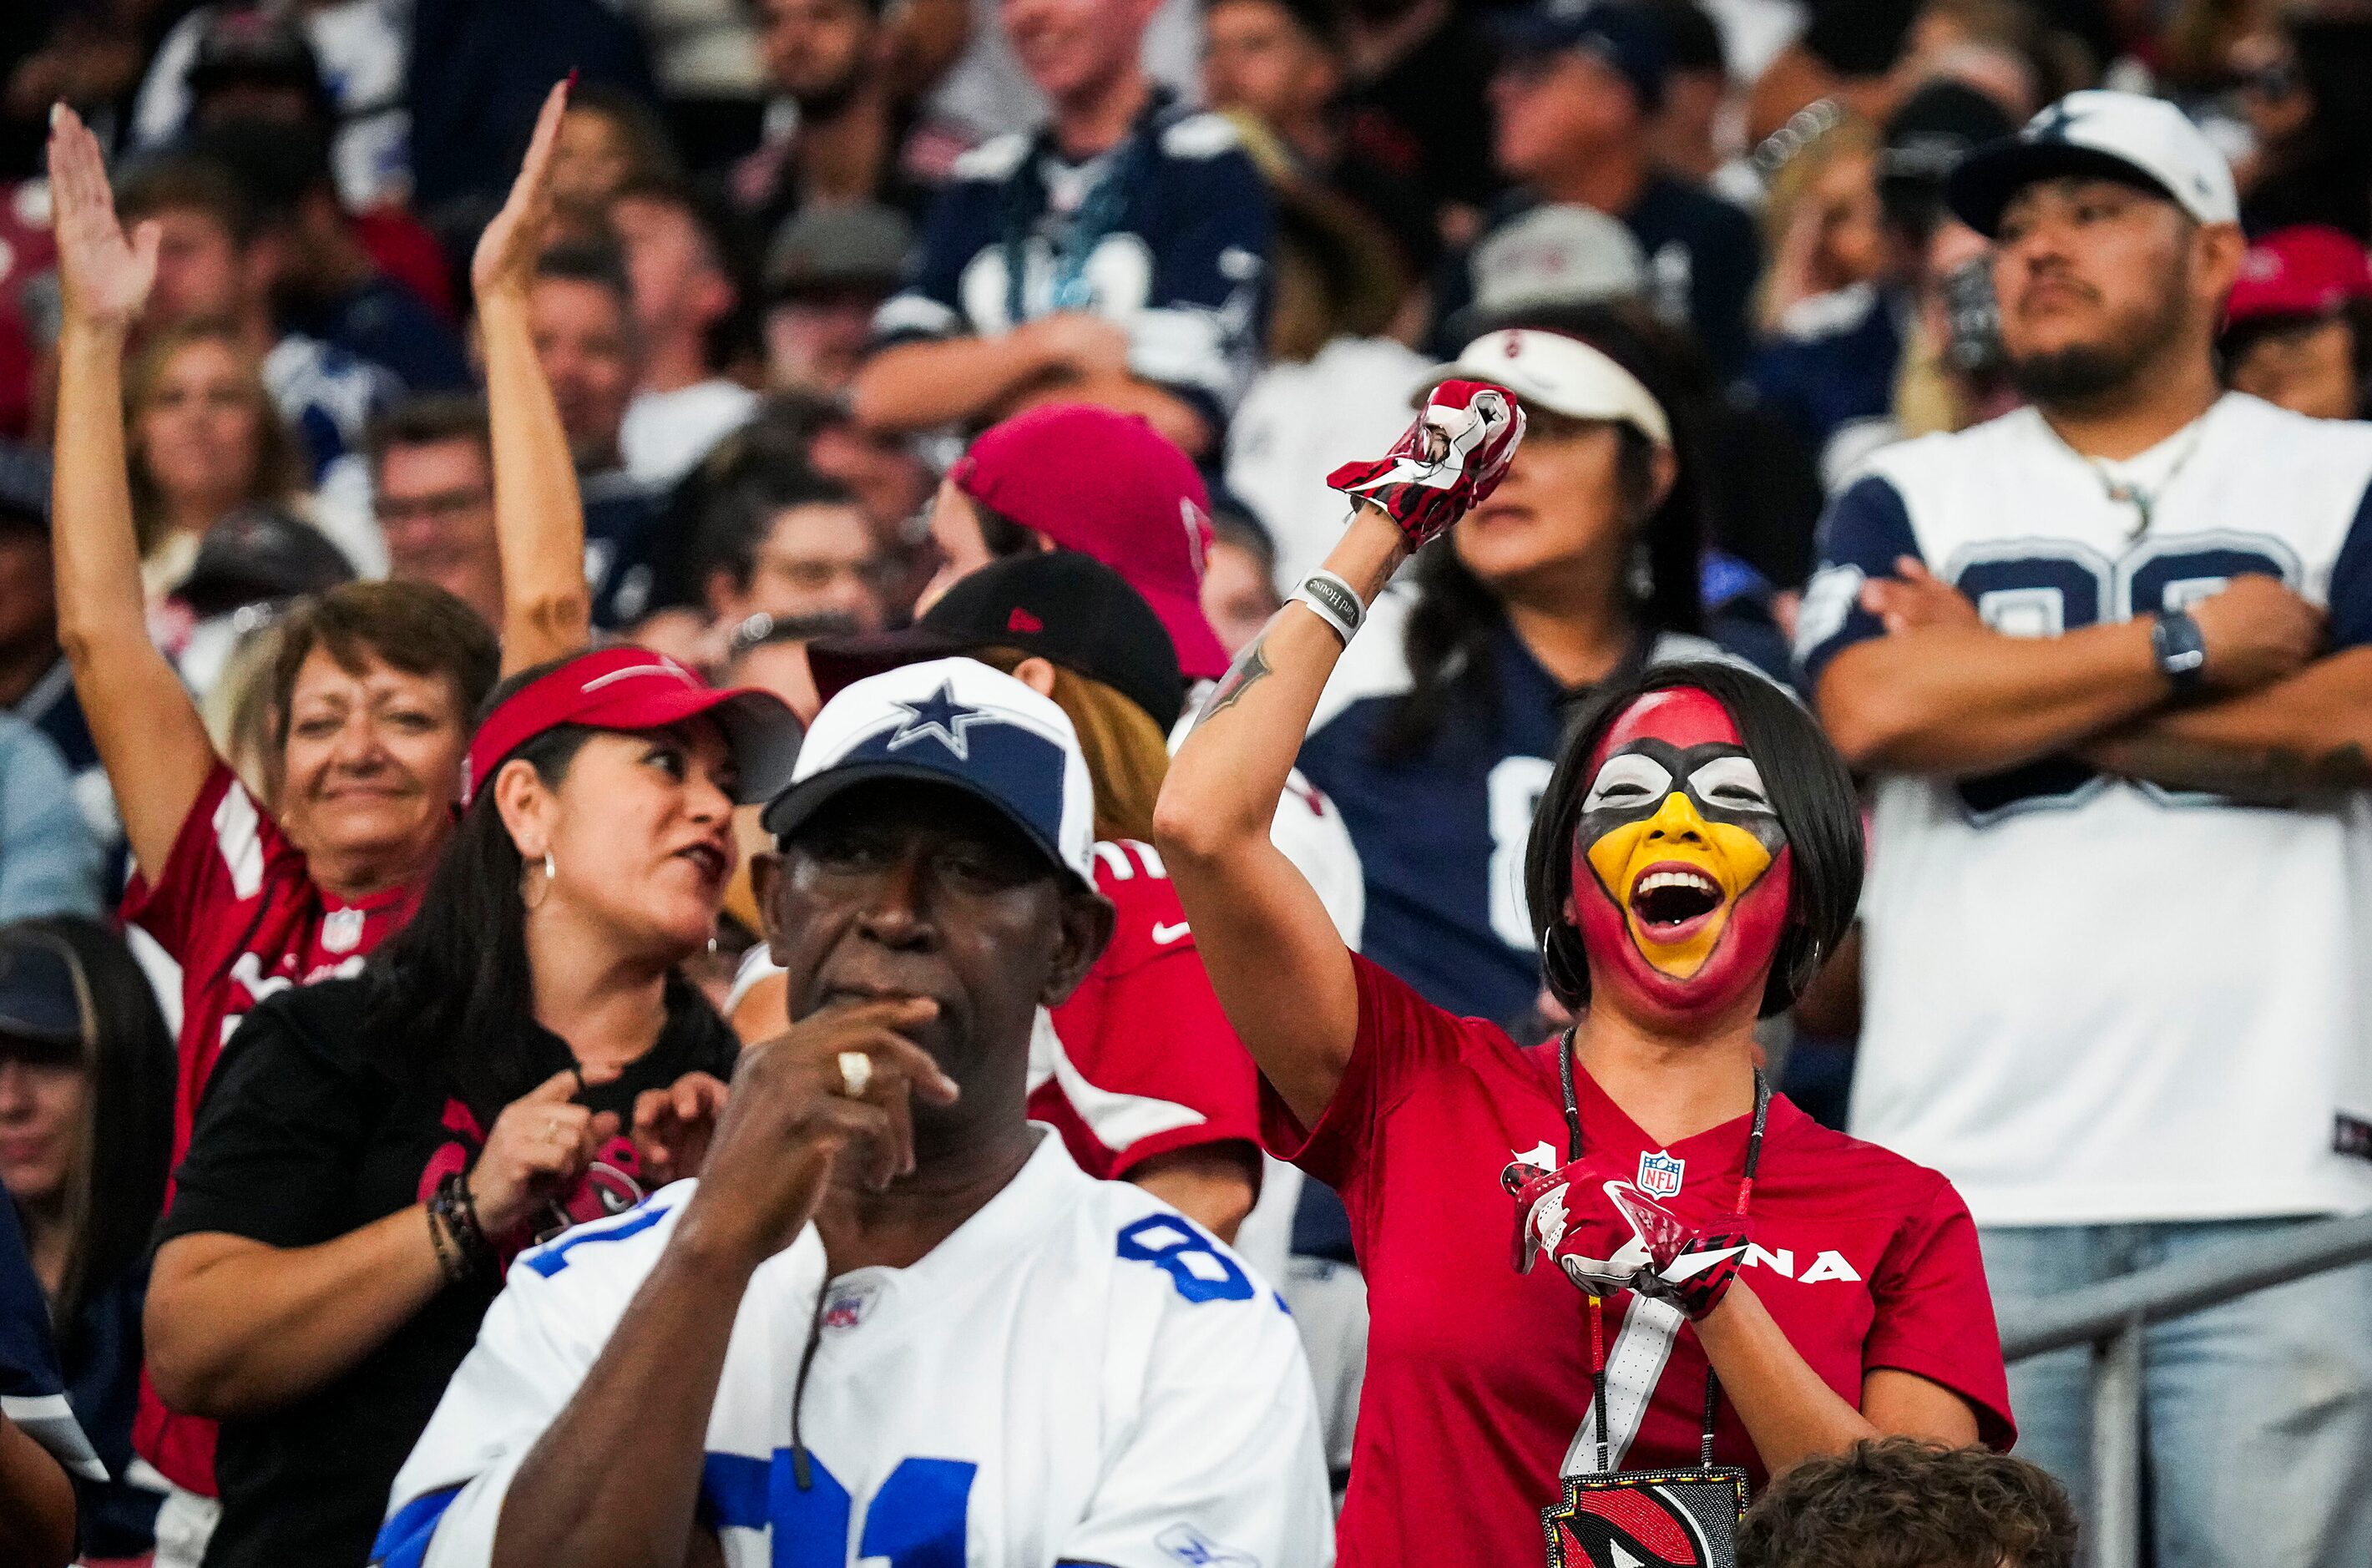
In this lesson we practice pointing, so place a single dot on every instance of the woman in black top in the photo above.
(371, 1152)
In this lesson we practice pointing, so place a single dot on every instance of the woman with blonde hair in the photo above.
(203, 439)
(1138, 1070)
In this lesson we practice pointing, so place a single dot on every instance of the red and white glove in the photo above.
(1444, 464)
(1608, 1236)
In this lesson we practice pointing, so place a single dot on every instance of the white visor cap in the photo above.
(1558, 375)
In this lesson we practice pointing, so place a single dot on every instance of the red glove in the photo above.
(1444, 464)
(1608, 1236)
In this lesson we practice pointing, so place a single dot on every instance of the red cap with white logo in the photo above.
(1107, 485)
(2305, 270)
(628, 687)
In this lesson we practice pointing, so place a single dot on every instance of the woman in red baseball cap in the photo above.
(521, 1056)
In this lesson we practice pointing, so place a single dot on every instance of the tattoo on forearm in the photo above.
(2272, 776)
(1250, 667)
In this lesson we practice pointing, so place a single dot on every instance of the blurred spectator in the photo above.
(583, 310)
(772, 655)
(432, 492)
(320, 275)
(1335, 383)
(391, 1141)
(978, 87)
(1417, 73)
(1239, 591)
(86, 1135)
(1282, 64)
(1691, 131)
(1581, 565)
(828, 271)
(1102, 484)
(2093, 781)
(477, 79)
(2297, 331)
(1575, 102)
(684, 293)
(250, 566)
(50, 864)
(833, 135)
(1114, 257)
(218, 262)
(611, 139)
(1902, 1503)
(35, 683)
(41, 1447)
(1549, 256)
(205, 438)
(349, 56)
(789, 546)
(2307, 167)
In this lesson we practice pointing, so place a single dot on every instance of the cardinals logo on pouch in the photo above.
(1647, 1520)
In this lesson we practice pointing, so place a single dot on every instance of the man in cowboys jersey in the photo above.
(891, 1319)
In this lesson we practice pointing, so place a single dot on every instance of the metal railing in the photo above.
(2110, 1318)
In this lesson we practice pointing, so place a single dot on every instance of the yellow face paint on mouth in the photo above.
(1677, 837)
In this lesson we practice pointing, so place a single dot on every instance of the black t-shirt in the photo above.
(1427, 119)
(307, 1135)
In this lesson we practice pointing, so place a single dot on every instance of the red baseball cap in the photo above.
(1107, 485)
(631, 688)
(2304, 269)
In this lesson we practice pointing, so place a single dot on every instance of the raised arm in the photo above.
(538, 514)
(1275, 960)
(149, 736)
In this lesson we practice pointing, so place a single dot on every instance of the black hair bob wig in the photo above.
(1807, 785)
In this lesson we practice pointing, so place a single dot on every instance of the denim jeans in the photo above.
(2258, 1413)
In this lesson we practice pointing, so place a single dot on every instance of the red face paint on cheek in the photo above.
(1674, 990)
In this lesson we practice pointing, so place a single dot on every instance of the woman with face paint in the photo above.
(1753, 1288)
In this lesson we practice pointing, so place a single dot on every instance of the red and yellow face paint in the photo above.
(1680, 873)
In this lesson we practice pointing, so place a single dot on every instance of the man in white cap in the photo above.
(892, 1321)
(2108, 656)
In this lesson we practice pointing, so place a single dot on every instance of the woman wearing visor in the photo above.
(522, 1055)
(1581, 567)
(1740, 1288)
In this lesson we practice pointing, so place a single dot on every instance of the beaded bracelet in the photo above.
(454, 1206)
(449, 1261)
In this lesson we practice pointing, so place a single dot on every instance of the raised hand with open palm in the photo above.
(106, 277)
(504, 260)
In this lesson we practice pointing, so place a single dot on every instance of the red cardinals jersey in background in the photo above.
(1141, 1061)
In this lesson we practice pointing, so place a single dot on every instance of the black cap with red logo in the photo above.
(1062, 606)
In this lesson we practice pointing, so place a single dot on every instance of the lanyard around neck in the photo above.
(1597, 1321)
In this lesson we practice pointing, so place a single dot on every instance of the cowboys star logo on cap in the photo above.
(939, 718)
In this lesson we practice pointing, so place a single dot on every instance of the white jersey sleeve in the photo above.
(1222, 1465)
(558, 1307)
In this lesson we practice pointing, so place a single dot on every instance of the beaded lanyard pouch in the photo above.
(1660, 1518)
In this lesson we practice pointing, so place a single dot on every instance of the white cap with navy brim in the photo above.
(957, 722)
(2103, 133)
(1558, 374)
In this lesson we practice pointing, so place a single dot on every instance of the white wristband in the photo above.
(1335, 601)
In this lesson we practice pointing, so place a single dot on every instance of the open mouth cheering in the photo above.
(1676, 835)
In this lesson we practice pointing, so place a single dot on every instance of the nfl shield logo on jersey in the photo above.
(1659, 1174)
(1647, 1520)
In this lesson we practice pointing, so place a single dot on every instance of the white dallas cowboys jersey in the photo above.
(1077, 1375)
(2090, 1001)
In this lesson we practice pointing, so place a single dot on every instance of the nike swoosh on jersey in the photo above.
(1688, 1264)
(1165, 935)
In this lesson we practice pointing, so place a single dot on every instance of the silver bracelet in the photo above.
(1335, 601)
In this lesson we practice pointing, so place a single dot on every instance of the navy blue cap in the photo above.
(38, 1000)
(1627, 37)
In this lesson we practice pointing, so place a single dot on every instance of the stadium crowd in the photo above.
(757, 802)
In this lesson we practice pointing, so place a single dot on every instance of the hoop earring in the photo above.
(541, 890)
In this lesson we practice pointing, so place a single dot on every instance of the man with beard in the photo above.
(835, 129)
(2107, 657)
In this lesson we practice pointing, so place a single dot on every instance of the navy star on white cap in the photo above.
(939, 718)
